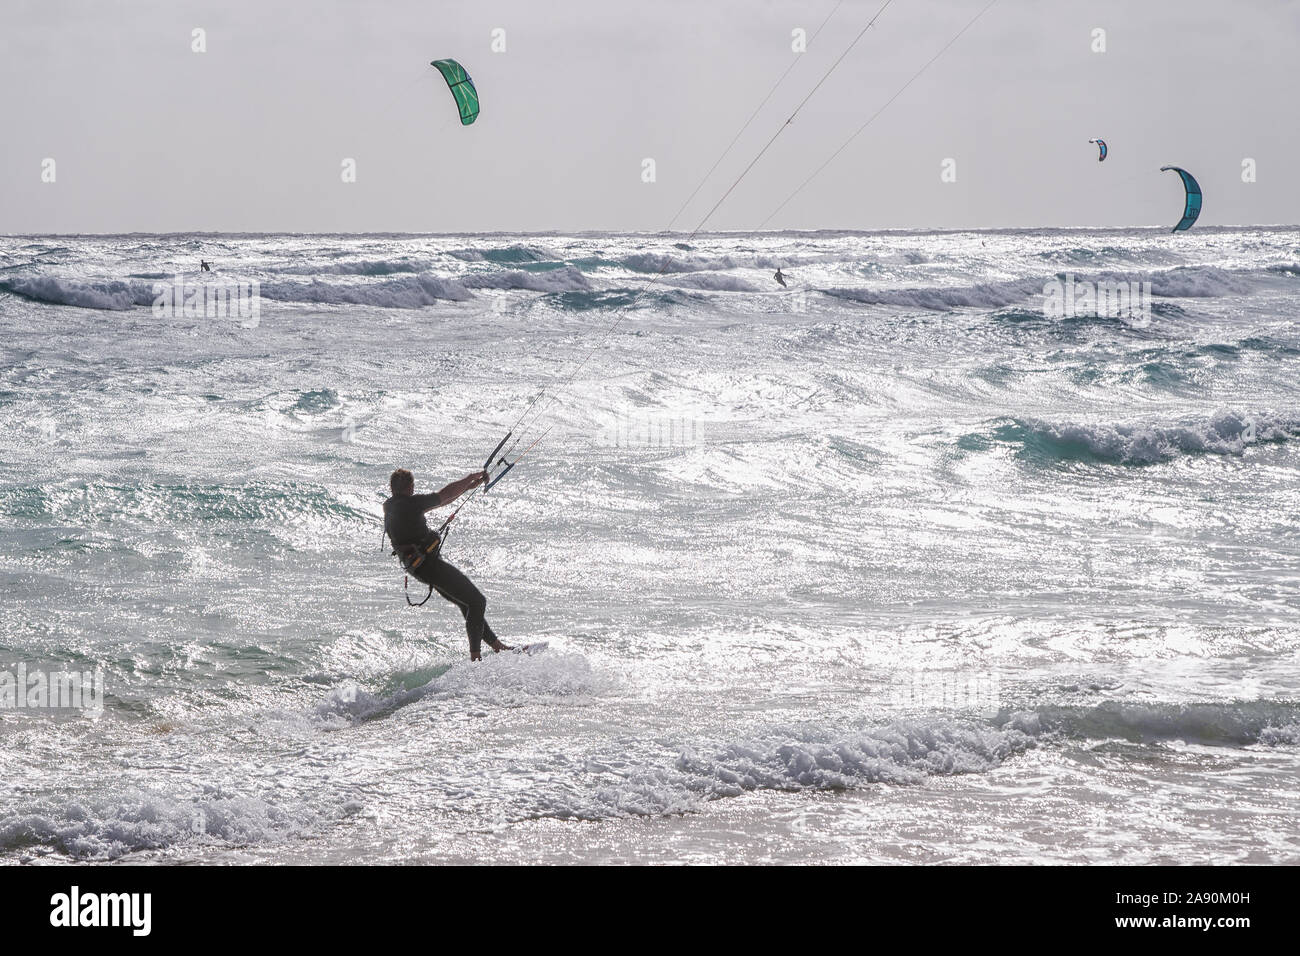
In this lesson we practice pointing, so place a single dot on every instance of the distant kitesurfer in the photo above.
(780, 278)
(204, 266)
(418, 547)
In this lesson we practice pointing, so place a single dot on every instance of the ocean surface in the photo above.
(892, 566)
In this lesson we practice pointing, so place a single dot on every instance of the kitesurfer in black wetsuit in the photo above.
(779, 277)
(417, 546)
(204, 266)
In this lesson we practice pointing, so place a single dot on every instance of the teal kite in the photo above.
(462, 88)
(1192, 206)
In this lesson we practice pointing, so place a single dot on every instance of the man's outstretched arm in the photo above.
(457, 488)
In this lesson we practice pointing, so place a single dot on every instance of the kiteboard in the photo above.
(530, 649)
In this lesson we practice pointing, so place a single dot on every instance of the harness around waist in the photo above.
(414, 555)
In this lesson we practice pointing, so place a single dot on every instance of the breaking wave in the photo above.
(1227, 433)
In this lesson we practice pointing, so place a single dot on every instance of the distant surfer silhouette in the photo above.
(780, 278)
(204, 266)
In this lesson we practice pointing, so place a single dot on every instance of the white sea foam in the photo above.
(712, 282)
(109, 294)
(499, 679)
(399, 292)
(1179, 282)
(112, 822)
(1287, 735)
(359, 267)
(898, 754)
(991, 295)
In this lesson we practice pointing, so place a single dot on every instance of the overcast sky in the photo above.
(250, 135)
